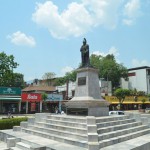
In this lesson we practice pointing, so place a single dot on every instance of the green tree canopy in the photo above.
(109, 69)
(7, 66)
(44, 98)
(121, 94)
(18, 80)
(69, 76)
(49, 76)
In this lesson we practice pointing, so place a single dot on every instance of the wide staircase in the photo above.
(70, 130)
(114, 130)
(59, 132)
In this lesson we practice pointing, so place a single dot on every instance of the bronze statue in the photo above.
(85, 54)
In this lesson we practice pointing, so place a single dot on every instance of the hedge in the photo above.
(9, 123)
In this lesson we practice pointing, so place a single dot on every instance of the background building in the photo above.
(10, 99)
(32, 99)
(138, 78)
(68, 90)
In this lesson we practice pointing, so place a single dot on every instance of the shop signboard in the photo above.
(31, 97)
(10, 91)
(54, 97)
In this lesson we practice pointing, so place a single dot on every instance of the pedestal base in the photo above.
(87, 100)
(95, 108)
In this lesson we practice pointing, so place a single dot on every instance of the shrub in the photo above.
(9, 123)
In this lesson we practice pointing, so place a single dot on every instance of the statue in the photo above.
(85, 54)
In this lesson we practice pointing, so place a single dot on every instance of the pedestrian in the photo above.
(56, 110)
(9, 114)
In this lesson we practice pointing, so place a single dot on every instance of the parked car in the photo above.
(116, 113)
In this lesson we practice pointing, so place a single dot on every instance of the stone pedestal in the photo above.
(87, 100)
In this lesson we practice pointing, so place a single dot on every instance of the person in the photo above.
(56, 110)
(9, 114)
(85, 54)
(62, 112)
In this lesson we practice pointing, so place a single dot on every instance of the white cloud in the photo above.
(128, 22)
(75, 20)
(112, 50)
(78, 18)
(103, 12)
(19, 38)
(65, 70)
(131, 11)
(137, 63)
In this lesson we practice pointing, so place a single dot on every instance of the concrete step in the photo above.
(30, 143)
(113, 123)
(67, 140)
(3, 145)
(66, 123)
(68, 118)
(139, 143)
(123, 138)
(48, 143)
(111, 118)
(121, 132)
(59, 132)
(118, 127)
(62, 127)
(23, 146)
(15, 148)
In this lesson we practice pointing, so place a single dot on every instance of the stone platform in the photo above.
(61, 132)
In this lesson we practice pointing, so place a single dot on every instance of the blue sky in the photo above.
(46, 36)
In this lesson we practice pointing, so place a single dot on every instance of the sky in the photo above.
(46, 36)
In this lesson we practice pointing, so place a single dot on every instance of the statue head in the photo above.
(84, 41)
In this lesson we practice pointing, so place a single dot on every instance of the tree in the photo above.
(121, 94)
(143, 103)
(44, 98)
(60, 81)
(48, 77)
(109, 69)
(148, 97)
(69, 76)
(7, 65)
(18, 80)
(96, 61)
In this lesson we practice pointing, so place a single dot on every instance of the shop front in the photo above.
(128, 105)
(31, 103)
(10, 99)
(54, 102)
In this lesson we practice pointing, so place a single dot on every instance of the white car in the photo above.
(116, 113)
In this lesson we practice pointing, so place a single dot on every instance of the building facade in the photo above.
(32, 99)
(138, 78)
(10, 99)
(68, 90)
